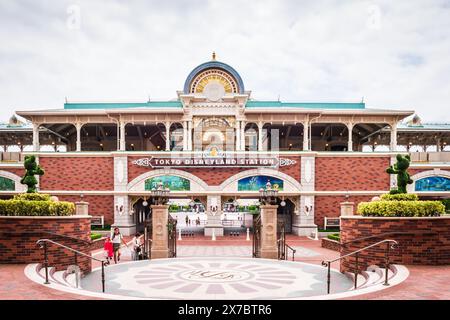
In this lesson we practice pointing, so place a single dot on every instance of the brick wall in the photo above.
(77, 173)
(330, 244)
(330, 206)
(352, 173)
(17, 171)
(213, 176)
(98, 205)
(18, 236)
(431, 247)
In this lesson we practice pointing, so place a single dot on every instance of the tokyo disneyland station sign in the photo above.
(216, 162)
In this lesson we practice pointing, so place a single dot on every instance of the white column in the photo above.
(350, 136)
(167, 136)
(78, 126)
(394, 137)
(122, 136)
(185, 143)
(189, 133)
(260, 136)
(243, 135)
(238, 135)
(35, 137)
(305, 136)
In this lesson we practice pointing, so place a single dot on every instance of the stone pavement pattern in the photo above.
(424, 282)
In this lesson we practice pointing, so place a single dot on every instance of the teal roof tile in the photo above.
(305, 105)
(103, 105)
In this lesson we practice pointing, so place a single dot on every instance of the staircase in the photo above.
(375, 276)
(65, 278)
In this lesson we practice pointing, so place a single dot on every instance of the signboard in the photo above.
(174, 183)
(216, 162)
(257, 182)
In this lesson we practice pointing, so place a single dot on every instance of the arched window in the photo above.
(7, 184)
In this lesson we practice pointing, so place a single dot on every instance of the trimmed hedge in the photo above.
(95, 236)
(32, 197)
(35, 204)
(401, 208)
(400, 197)
(335, 237)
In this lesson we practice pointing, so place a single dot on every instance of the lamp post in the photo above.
(269, 194)
(160, 194)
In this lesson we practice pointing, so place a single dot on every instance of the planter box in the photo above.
(18, 236)
(422, 240)
(331, 244)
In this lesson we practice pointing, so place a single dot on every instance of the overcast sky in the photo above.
(395, 54)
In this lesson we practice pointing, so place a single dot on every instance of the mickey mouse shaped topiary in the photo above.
(400, 169)
(32, 169)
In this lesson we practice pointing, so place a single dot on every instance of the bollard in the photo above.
(179, 234)
(248, 234)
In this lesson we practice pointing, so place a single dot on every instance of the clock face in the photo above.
(214, 91)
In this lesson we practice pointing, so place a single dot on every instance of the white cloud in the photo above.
(395, 54)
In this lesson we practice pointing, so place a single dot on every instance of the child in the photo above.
(108, 247)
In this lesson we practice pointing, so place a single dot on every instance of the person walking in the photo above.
(109, 251)
(117, 240)
(136, 246)
(187, 220)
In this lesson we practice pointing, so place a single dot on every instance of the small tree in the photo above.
(400, 169)
(32, 169)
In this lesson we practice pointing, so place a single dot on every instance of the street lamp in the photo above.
(269, 194)
(160, 194)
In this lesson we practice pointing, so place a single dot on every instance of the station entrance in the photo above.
(196, 220)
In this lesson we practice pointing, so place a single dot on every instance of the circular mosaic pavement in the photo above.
(216, 278)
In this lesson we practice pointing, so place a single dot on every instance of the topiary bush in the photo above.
(446, 203)
(35, 204)
(400, 197)
(95, 236)
(32, 197)
(401, 209)
(335, 237)
(400, 169)
(32, 169)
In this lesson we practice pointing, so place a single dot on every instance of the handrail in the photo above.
(42, 243)
(293, 251)
(389, 234)
(391, 244)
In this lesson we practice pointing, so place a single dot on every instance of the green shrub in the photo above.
(400, 197)
(32, 197)
(35, 208)
(401, 208)
(335, 237)
(95, 236)
(446, 203)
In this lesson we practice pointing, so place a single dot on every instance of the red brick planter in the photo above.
(18, 236)
(331, 244)
(422, 241)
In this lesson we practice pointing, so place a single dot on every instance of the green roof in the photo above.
(305, 105)
(151, 104)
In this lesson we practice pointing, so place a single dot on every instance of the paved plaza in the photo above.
(216, 278)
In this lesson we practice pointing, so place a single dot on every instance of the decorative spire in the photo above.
(214, 56)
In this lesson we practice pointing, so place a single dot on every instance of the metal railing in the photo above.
(42, 243)
(283, 250)
(390, 244)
